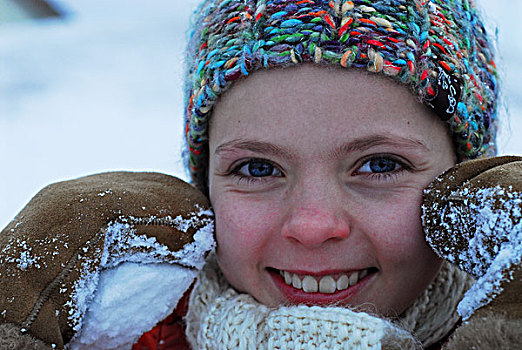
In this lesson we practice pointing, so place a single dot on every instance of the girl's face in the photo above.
(316, 178)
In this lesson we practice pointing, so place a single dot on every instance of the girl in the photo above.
(313, 127)
(315, 171)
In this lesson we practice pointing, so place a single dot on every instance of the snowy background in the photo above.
(101, 90)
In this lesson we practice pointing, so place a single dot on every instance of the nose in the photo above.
(315, 219)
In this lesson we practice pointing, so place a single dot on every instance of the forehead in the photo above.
(307, 99)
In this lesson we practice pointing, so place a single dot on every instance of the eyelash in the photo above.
(378, 177)
(384, 176)
(246, 179)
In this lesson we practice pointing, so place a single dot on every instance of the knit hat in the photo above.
(438, 48)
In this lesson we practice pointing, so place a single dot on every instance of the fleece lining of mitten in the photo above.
(492, 331)
(11, 338)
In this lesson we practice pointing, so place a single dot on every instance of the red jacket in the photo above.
(168, 334)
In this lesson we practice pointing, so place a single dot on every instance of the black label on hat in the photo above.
(447, 95)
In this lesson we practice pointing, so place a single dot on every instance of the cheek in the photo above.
(243, 230)
(394, 226)
(406, 261)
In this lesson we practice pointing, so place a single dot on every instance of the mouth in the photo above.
(322, 288)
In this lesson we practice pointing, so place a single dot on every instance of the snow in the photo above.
(489, 285)
(491, 264)
(22, 255)
(130, 300)
(139, 282)
(482, 235)
(192, 254)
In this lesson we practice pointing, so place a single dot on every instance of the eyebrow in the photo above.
(360, 144)
(367, 142)
(253, 146)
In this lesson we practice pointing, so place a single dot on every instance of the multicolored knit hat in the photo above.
(439, 48)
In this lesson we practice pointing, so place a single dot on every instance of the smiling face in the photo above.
(316, 177)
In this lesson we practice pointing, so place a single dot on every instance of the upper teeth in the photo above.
(327, 284)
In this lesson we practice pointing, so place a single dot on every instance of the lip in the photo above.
(297, 296)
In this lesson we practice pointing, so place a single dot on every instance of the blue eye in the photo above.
(258, 168)
(380, 165)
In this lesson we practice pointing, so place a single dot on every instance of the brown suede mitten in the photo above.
(78, 262)
(472, 216)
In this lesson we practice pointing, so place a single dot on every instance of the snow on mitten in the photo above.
(95, 262)
(472, 216)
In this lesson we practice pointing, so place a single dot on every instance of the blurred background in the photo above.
(90, 85)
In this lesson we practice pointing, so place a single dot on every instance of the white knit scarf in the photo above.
(221, 318)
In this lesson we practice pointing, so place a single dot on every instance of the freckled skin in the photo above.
(322, 210)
